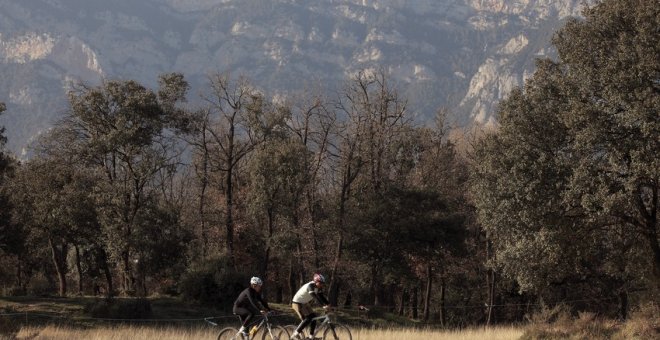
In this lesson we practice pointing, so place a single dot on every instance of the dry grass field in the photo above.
(54, 319)
(144, 333)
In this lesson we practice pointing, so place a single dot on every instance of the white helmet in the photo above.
(256, 281)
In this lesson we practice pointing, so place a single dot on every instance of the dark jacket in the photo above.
(248, 299)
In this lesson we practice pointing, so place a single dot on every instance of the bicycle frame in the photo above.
(262, 328)
(327, 329)
(325, 320)
(265, 324)
(260, 323)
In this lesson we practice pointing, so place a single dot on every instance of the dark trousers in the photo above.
(244, 314)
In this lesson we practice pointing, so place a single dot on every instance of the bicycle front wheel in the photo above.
(276, 333)
(337, 332)
(229, 333)
(292, 328)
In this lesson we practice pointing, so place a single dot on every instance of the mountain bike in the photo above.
(327, 328)
(261, 328)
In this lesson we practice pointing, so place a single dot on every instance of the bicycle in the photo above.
(261, 326)
(330, 330)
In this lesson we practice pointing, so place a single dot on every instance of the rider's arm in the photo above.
(253, 304)
(318, 296)
(262, 301)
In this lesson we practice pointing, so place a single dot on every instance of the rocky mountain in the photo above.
(464, 55)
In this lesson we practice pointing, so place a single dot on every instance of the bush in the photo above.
(214, 283)
(14, 291)
(120, 309)
(168, 287)
(201, 287)
(557, 314)
(39, 286)
(559, 323)
(643, 323)
(8, 325)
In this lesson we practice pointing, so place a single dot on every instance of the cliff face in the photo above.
(464, 55)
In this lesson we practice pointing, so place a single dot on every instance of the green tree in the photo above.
(12, 235)
(611, 61)
(568, 184)
(277, 181)
(126, 132)
(372, 119)
(226, 133)
(5, 217)
(313, 125)
(52, 199)
(439, 173)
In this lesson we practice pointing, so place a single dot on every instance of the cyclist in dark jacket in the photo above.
(248, 303)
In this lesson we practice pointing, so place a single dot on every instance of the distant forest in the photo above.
(135, 193)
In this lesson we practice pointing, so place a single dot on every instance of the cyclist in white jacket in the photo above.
(307, 293)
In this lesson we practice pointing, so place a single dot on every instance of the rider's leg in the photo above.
(303, 311)
(306, 321)
(312, 324)
(245, 316)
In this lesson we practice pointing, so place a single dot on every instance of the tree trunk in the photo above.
(128, 282)
(315, 249)
(79, 269)
(649, 217)
(343, 198)
(143, 280)
(373, 286)
(229, 221)
(427, 296)
(301, 265)
(413, 303)
(349, 299)
(491, 295)
(202, 217)
(229, 196)
(106, 270)
(291, 281)
(656, 251)
(490, 283)
(443, 313)
(623, 304)
(335, 267)
(59, 259)
(271, 227)
(402, 302)
(278, 294)
(202, 195)
(19, 270)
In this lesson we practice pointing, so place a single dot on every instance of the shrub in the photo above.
(39, 286)
(201, 287)
(557, 314)
(8, 325)
(120, 309)
(643, 323)
(213, 283)
(14, 291)
(168, 287)
(559, 323)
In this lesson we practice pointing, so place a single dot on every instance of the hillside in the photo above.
(464, 55)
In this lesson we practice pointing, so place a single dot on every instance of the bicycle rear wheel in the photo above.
(337, 332)
(276, 333)
(229, 333)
